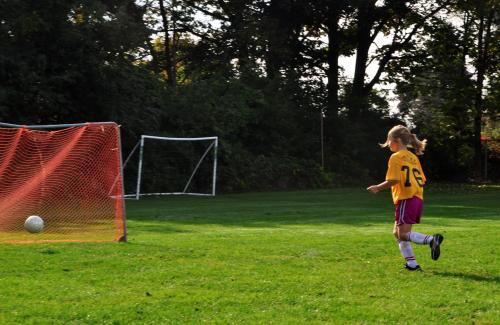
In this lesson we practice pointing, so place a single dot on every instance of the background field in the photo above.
(291, 257)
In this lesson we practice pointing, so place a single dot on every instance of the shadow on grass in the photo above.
(470, 277)
(158, 227)
(266, 220)
(337, 206)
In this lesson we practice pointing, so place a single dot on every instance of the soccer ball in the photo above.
(33, 224)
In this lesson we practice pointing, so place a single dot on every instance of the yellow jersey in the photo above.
(405, 168)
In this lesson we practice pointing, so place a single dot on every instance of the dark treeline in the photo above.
(265, 76)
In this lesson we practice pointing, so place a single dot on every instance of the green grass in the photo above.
(283, 258)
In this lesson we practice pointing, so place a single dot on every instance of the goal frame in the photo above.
(68, 125)
(141, 143)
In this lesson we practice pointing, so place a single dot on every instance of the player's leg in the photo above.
(412, 214)
(400, 232)
(434, 242)
(404, 231)
(418, 238)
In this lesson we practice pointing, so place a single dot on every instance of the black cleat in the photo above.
(415, 268)
(434, 244)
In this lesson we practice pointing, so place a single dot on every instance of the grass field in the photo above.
(268, 258)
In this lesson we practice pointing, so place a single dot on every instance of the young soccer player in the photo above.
(406, 179)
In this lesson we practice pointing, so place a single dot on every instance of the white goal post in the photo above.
(211, 148)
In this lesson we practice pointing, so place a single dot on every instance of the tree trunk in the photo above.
(481, 67)
(235, 12)
(154, 56)
(465, 47)
(275, 43)
(333, 63)
(478, 102)
(358, 98)
(242, 45)
(169, 63)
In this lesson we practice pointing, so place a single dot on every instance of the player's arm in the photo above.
(392, 176)
(382, 186)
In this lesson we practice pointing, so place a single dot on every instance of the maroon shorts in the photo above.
(409, 211)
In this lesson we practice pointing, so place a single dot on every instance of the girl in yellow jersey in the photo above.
(406, 179)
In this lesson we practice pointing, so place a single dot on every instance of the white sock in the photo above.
(419, 238)
(407, 252)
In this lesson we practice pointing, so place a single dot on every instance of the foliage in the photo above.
(68, 61)
(262, 75)
(437, 94)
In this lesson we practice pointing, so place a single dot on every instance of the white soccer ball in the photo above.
(33, 224)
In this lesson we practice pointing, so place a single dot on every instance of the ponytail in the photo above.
(418, 145)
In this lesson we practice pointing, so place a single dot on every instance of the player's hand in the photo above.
(374, 189)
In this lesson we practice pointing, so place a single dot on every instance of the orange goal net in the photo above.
(70, 177)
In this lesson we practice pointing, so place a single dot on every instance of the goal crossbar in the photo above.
(53, 126)
(178, 139)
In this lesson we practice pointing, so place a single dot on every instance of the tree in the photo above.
(67, 61)
(168, 23)
(448, 75)
(402, 20)
(484, 12)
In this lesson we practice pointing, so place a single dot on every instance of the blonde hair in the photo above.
(407, 138)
